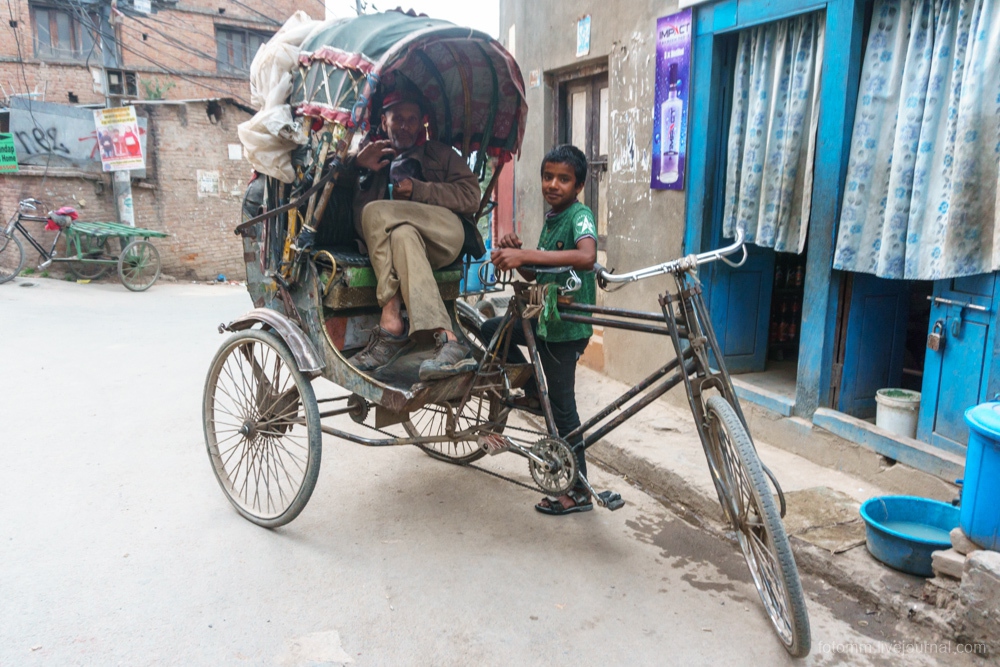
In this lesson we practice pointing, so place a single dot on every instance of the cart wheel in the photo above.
(92, 248)
(11, 257)
(748, 503)
(434, 419)
(139, 265)
(262, 428)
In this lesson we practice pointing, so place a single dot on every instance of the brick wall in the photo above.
(183, 140)
(176, 46)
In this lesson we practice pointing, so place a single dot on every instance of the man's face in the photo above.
(403, 123)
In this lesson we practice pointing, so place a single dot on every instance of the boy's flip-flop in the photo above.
(553, 507)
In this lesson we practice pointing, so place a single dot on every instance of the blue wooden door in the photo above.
(875, 342)
(740, 304)
(956, 377)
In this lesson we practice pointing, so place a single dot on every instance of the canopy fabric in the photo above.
(473, 87)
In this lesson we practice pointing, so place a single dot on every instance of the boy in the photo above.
(568, 238)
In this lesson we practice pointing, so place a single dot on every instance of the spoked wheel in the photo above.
(11, 257)
(139, 265)
(262, 428)
(470, 318)
(433, 419)
(748, 503)
(91, 248)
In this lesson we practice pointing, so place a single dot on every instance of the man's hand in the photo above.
(510, 241)
(507, 259)
(375, 156)
(403, 189)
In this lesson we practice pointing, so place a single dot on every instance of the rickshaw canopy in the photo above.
(473, 88)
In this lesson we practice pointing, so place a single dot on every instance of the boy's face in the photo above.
(559, 186)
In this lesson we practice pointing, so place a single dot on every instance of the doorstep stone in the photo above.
(980, 597)
(961, 542)
(948, 562)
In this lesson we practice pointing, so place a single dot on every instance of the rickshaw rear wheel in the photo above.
(262, 428)
(139, 265)
(433, 419)
(91, 248)
(748, 504)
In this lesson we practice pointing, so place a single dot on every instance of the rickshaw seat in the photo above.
(354, 282)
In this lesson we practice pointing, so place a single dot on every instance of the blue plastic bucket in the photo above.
(981, 487)
(903, 531)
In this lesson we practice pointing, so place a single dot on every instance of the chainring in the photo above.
(559, 473)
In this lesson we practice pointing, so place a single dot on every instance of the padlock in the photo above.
(935, 339)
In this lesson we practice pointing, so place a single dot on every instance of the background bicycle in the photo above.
(89, 252)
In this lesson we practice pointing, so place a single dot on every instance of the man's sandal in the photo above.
(555, 507)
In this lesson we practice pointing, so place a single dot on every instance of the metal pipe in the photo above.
(618, 312)
(627, 396)
(653, 394)
(618, 324)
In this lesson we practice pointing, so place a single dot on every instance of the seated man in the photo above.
(411, 192)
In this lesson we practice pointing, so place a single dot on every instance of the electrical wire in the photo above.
(27, 91)
(166, 68)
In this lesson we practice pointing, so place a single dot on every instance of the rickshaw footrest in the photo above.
(611, 500)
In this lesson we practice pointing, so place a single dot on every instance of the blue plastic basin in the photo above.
(903, 531)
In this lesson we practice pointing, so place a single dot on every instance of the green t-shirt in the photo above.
(563, 231)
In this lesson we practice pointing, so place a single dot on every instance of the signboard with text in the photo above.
(118, 139)
(670, 106)
(8, 154)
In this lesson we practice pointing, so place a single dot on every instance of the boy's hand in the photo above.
(510, 241)
(507, 259)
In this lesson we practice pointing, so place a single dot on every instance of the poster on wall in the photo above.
(673, 74)
(118, 139)
(8, 154)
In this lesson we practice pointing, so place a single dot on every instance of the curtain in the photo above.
(772, 132)
(920, 199)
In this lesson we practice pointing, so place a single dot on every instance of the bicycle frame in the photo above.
(698, 362)
(15, 225)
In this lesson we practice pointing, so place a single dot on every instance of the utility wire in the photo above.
(169, 70)
(27, 91)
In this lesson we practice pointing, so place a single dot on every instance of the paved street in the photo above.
(118, 547)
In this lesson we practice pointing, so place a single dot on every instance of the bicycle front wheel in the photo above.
(11, 257)
(748, 503)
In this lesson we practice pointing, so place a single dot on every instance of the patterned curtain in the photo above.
(920, 200)
(772, 132)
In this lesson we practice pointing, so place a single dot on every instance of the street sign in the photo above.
(8, 154)
(142, 6)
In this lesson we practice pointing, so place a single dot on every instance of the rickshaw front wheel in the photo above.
(262, 428)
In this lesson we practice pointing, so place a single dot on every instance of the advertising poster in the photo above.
(118, 139)
(8, 154)
(672, 92)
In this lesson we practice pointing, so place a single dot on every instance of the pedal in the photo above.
(494, 444)
(613, 501)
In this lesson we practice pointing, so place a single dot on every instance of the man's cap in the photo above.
(404, 92)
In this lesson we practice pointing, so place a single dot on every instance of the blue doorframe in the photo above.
(838, 96)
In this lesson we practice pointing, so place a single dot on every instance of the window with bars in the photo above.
(62, 34)
(236, 47)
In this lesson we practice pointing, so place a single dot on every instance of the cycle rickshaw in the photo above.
(313, 295)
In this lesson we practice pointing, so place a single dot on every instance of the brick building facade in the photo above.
(195, 54)
(188, 49)
(192, 190)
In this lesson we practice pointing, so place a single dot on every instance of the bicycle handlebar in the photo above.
(674, 266)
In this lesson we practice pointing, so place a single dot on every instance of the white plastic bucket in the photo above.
(897, 411)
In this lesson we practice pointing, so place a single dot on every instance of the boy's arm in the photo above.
(581, 258)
